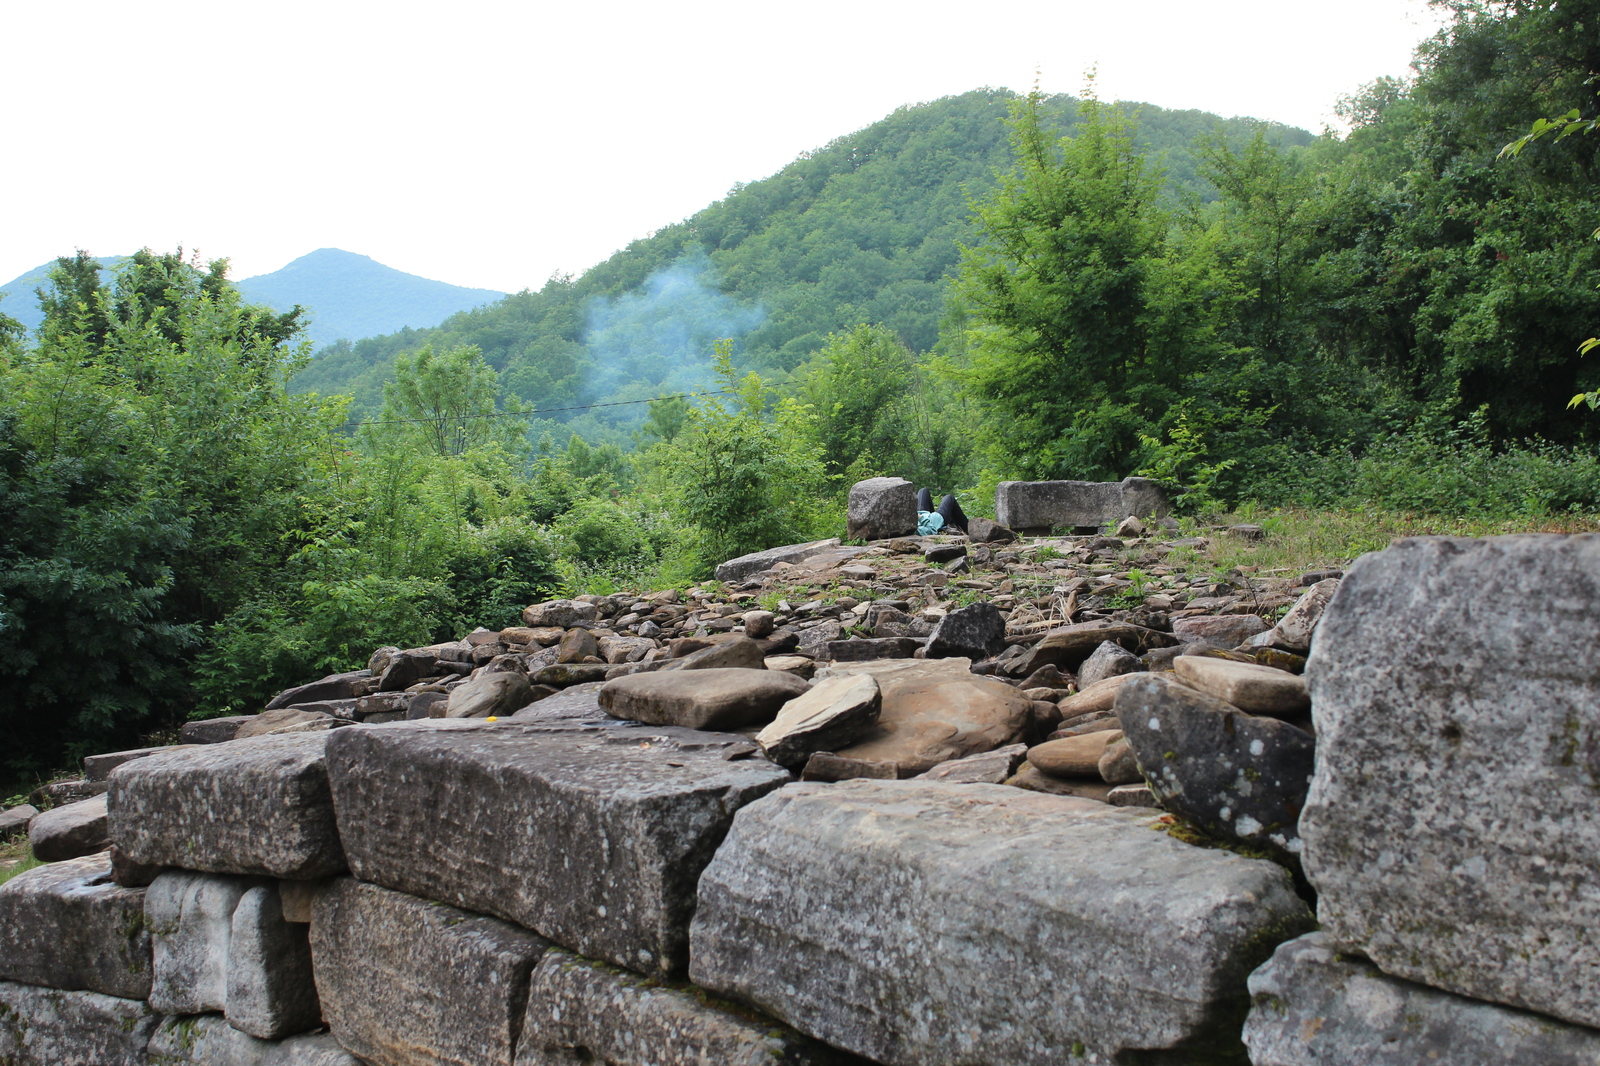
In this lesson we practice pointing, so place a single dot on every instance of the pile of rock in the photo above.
(972, 838)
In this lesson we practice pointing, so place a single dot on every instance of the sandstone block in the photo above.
(745, 565)
(70, 831)
(1224, 630)
(1107, 660)
(1113, 940)
(49, 1027)
(1294, 630)
(758, 624)
(1314, 1006)
(333, 687)
(986, 768)
(833, 714)
(258, 806)
(593, 837)
(207, 1040)
(213, 730)
(1450, 829)
(881, 507)
(867, 649)
(1069, 646)
(1077, 756)
(222, 944)
(582, 1011)
(14, 821)
(1251, 688)
(69, 926)
(500, 694)
(736, 653)
(285, 720)
(97, 767)
(929, 716)
(702, 699)
(1049, 504)
(562, 613)
(410, 982)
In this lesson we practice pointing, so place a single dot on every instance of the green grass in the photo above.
(15, 858)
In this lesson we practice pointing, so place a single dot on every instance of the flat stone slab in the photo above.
(593, 837)
(70, 831)
(222, 944)
(97, 767)
(410, 982)
(832, 714)
(585, 1011)
(1252, 688)
(950, 924)
(258, 806)
(49, 1027)
(1450, 830)
(1048, 504)
(1316, 1007)
(718, 698)
(69, 926)
(745, 565)
(207, 1040)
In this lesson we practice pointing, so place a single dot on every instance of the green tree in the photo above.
(448, 400)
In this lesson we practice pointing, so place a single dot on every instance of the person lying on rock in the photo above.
(948, 516)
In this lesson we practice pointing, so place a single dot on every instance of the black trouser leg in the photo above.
(954, 516)
(924, 500)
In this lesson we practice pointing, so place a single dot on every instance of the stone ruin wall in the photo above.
(570, 886)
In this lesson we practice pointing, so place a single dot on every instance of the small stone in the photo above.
(1108, 660)
(564, 675)
(932, 713)
(1118, 765)
(1247, 531)
(732, 653)
(1067, 647)
(1132, 796)
(1226, 630)
(1249, 687)
(576, 646)
(798, 665)
(976, 631)
(285, 720)
(833, 714)
(1099, 696)
(15, 820)
(1074, 756)
(1030, 778)
(71, 831)
(1294, 630)
(98, 767)
(212, 730)
(826, 766)
(746, 565)
(333, 687)
(986, 531)
(701, 699)
(944, 553)
(500, 694)
(985, 768)
(562, 613)
(758, 624)
(867, 649)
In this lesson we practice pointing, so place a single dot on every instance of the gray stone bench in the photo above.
(1044, 505)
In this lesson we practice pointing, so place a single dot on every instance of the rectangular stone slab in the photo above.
(49, 1027)
(208, 1040)
(257, 806)
(410, 982)
(585, 1011)
(593, 837)
(1314, 1006)
(948, 924)
(1450, 829)
(69, 926)
(1047, 504)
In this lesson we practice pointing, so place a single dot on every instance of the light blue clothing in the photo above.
(929, 523)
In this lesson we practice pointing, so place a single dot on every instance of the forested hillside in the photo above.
(865, 229)
(1385, 323)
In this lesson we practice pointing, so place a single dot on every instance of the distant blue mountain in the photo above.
(20, 301)
(350, 296)
(353, 296)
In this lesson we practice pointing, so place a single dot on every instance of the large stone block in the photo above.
(207, 1040)
(70, 831)
(945, 924)
(593, 837)
(580, 1011)
(881, 507)
(222, 944)
(1450, 829)
(69, 926)
(257, 806)
(1316, 1007)
(410, 982)
(1049, 504)
(745, 565)
(49, 1027)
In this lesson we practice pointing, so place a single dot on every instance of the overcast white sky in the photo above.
(493, 142)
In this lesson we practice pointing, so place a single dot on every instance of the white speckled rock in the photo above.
(207, 1040)
(49, 1027)
(410, 982)
(949, 924)
(881, 507)
(594, 837)
(1315, 1007)
(257, 806)
(580, 1011)
(68, 926)
(1450, 829)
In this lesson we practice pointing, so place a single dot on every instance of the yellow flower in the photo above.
(491, 718)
